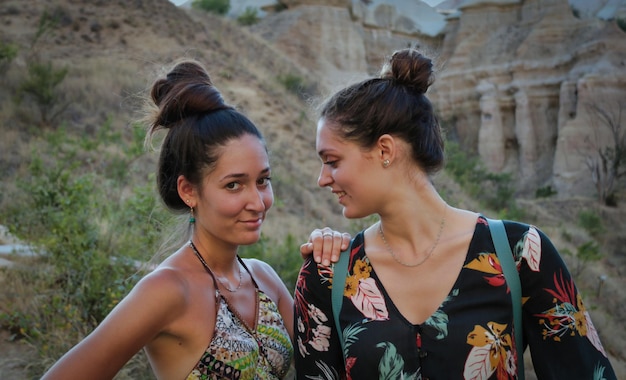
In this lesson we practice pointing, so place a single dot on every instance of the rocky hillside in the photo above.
(521, 82)
(114, 50)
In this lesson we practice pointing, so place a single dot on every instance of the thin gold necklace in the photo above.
(393, 255)
(206, 266)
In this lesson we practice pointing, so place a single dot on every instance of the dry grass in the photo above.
(21, 359)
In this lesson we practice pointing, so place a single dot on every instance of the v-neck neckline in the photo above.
(233, 310)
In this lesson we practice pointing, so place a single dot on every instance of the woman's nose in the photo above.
(257, 200)
(324, 178)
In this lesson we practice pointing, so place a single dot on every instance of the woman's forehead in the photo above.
(244, 154)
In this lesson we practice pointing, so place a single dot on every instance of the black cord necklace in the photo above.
(206, 266)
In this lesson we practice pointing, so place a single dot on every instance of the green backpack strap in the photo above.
(503, 251)
(340, 271)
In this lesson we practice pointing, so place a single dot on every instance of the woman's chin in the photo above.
(350, 214)
(250, 239)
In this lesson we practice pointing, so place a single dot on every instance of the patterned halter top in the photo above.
(238, 352)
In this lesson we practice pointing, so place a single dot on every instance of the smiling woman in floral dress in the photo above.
(425, 296)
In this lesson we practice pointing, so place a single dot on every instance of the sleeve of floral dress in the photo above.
(563, 341)
(318, 354)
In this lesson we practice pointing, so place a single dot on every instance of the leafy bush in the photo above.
(249, 17)
(41, 85)
(545, 192)
(219, 7)
(8, 52)
(292, 82)
(592, 223)
(91, 238)
(588, 251)
(494, 190)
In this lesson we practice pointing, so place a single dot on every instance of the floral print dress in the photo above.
(241, 352)
(471, 334)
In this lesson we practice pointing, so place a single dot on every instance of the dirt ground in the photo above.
(12, 357)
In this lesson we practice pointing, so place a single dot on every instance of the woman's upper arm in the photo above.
(136, 320)
(558, 327)
(318, 350)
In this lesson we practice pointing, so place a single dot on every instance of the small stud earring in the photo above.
(386, 163)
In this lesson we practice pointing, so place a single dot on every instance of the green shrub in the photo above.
(592, 223)
(493, 190)
(292, 82)
(41, 86)
(8, 52)
(65, 210)
(280, 6)
(621, 23)
(585, 253)
(588, 251)
(544, 192)
(219, 7)
(249, 17)
(93, 228)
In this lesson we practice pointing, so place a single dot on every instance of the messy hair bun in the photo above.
(393, 103)
(186, 91)
(409, 68)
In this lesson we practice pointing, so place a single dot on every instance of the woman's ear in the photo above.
(386, 147)
(186, 191)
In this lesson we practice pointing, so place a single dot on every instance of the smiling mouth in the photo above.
(256, 221)
(339, 194)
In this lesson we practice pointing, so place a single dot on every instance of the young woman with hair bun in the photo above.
(424, 294)
(204, 312)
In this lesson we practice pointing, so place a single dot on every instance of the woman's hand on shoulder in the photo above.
(325, 245)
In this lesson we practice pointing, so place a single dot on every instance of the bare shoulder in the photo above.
(261, 269)
(257, 264)
(165, 285)
(265, 276)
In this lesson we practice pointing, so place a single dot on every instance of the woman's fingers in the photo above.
(325, 245)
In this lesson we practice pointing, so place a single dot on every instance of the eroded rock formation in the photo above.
(516, 78)
(511, 88)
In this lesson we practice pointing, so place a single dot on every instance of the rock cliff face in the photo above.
(517, 79)
(518, 83)
(341, 44)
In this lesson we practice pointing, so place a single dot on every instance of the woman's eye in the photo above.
(331, 163)
(233, 186)
(264, 181)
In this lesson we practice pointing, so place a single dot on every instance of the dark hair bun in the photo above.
(186, 91)
(409, 68)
